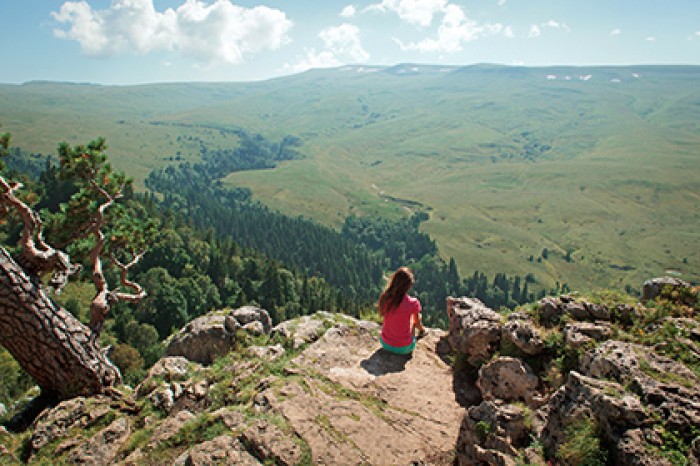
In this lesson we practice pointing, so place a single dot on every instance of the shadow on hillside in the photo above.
(383, 362)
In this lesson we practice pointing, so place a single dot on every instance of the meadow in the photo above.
(588, 176)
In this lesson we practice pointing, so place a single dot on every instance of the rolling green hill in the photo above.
(582, 175)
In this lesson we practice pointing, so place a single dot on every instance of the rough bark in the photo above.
(50, 344)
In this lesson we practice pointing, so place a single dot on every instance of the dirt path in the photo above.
(356, 404)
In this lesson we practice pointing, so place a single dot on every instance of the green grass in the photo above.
(618, 186)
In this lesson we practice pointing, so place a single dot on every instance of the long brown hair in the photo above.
(400, 282)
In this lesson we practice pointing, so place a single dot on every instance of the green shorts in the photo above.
(399, 349)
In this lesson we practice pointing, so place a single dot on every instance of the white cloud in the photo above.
(210, 33)
(651, 39)
(508, 32)
(348, 12)
(455, 30)
(418, 12)
(341, 45)
(501, 2)
(536, 29)
(344, 40)
(615, 32)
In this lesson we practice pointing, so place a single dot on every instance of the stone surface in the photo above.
(508, 379)
(523, 335)
(269, 444)
(552, 310)
(354, 403)
(102, 448)
(202, 340)
(475, 330)
(222, 450)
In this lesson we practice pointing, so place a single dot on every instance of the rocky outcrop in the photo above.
(475, 330)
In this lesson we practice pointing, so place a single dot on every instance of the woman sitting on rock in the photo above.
(401, 314)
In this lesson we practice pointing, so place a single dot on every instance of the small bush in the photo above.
(582, 445)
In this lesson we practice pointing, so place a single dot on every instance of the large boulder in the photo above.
(508, 379)
(203, 340)
(577, 334)
(654, 287)
(475, 329)
(103, 447)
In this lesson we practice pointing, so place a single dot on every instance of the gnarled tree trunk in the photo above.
(49, 343)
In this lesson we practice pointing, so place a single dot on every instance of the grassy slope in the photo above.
(618, 188)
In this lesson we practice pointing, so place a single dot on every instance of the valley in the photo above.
(586, 176)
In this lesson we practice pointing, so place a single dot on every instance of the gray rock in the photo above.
(553, 309)
(247, 314)
(168, 369)
(202, 340)
(475, 330)
(3, 410)
(653, 288)
(254, 328)
(524, 336)
(508, 379)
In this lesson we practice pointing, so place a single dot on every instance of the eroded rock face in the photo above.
(475, 329)
(202, 340)
(508, 379)
(267, 441)
(170, 386)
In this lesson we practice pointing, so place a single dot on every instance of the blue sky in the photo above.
(141, 41)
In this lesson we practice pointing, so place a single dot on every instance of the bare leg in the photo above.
(417, 325)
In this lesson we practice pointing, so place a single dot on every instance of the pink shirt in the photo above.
(396, 330)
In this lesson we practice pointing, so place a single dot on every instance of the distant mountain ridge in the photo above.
(591, 164)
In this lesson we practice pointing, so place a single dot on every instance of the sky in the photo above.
(145, 41)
